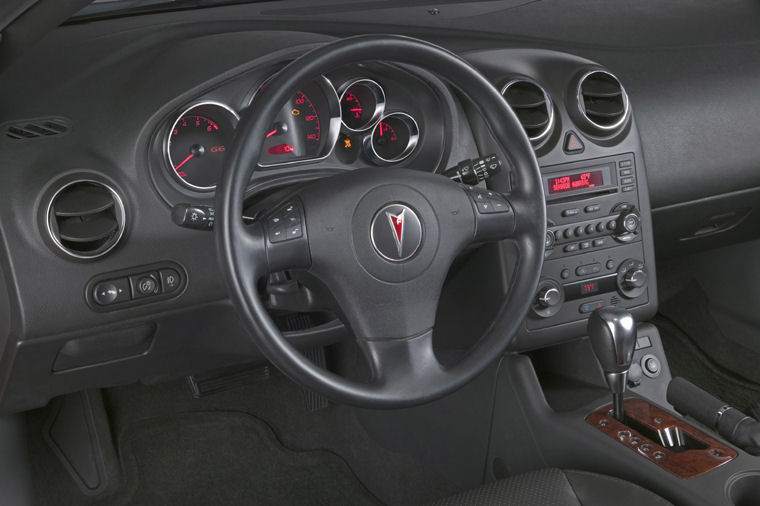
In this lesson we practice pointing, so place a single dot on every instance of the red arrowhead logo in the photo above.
(397, 225)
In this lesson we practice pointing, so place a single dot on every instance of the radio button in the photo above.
(570, 248)
(565, 273)
(601, 227)
(628, 188)
(549, 240)
(626, 172)
(578, 231)
(598, 243)
(590, 229)
(570, 212)
(611, 225)
(610, 264)
(568, 233)
(585, 245)
(625, 163)
(626, 180)
(592, 208)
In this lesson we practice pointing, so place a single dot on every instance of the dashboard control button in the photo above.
(549, 240)
(565, 273)
(588, 307)
(601, 227)
(111, 292)
(643, 342)
(585, 245)
(626, 180)
(570, 248)
(598, 243)
(568, 233)
(170, 280)
(651, 366)
(144, 285)
(578, 231)
(570, 212)
(625, 163)
(612, 225)
(626, 172)
(592, 208)
(610, 265)
(585, 270)
(573, 144)
(628, 188)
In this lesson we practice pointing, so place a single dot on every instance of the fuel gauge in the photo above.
(393, 139)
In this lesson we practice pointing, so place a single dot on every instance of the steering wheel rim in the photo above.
(414, 376)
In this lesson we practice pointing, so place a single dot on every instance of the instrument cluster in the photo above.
(348, 123)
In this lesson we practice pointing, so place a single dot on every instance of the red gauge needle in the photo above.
(381, 129)
(183, 162)
(271, 133)
(356, 109)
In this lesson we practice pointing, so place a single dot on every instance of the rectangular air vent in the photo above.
(37, 128)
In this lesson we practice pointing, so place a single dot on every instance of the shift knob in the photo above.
(612, 332)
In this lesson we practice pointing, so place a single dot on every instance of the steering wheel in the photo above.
(381, 239)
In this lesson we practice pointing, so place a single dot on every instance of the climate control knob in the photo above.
(632, 278)
(548, 296)
(635, 278)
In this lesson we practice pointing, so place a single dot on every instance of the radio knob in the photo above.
(549, 297)
(635, 278)
(628, 222)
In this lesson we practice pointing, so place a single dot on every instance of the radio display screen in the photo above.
(576, 181)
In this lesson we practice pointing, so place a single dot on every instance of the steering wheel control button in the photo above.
(285, 223)
(170, 280)
(111, 292)
(396, 232)
(488, 201)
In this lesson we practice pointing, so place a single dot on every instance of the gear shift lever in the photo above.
(612, 332)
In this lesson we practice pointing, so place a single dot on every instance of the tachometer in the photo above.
(197, 142)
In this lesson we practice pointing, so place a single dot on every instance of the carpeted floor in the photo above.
(228, 458)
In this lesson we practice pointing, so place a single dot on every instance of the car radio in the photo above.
(594, 255)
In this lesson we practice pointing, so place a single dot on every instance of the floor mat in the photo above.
(229, 458)
(688, 360)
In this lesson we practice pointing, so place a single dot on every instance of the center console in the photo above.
(598, 248)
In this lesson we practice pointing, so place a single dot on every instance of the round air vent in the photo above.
(602, 101)
(533, 107)
(86, 219)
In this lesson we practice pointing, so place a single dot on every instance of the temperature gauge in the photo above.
(393, 139)
(361, 104)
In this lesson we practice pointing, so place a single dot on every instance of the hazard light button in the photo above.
(573, 144)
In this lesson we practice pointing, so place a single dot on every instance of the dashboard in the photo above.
(135, 121)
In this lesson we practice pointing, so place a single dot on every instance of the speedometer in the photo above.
(306, 127)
